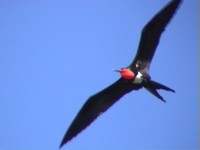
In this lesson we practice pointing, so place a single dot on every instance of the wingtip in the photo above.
(61, 145)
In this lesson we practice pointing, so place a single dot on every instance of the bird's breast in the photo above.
(138, 79)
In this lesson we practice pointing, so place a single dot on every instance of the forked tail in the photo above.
(153, 86)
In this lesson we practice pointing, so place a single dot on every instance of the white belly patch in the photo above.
(138, 79)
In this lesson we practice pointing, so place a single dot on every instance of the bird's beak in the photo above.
(116, 70)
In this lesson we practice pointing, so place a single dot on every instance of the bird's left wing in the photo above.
(96, 105)
(151, 35)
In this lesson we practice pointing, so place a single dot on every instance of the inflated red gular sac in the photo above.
(126, 74)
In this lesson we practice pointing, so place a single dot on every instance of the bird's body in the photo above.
(138, 79)
(133, 77)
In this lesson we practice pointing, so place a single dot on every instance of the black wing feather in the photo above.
(96, 105)
(151, 35)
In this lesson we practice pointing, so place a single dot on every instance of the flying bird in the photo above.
(133, 77)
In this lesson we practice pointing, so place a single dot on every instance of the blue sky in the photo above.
(55, 54)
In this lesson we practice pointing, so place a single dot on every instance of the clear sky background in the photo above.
(55, 54)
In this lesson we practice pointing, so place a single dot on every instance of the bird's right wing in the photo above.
(151, 35)
(96, 105)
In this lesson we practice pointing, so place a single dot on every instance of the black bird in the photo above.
(133, 77)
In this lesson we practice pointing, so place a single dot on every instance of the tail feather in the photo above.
(155, 93)
(152, 87)
(161, 86)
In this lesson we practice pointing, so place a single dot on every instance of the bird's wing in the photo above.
(151, 35)
(96, 105)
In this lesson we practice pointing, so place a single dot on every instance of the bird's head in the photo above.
(126, 74)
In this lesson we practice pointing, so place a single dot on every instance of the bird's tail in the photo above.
(153, 86)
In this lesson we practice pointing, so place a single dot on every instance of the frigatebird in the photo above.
(133, 77)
